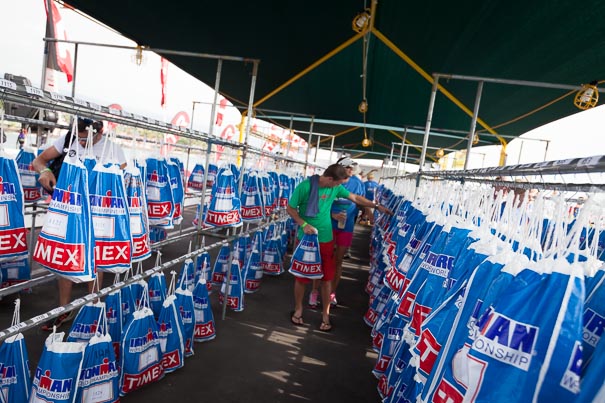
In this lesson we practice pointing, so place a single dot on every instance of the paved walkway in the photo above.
(258, 355)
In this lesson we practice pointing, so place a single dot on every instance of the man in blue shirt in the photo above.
(370, 189)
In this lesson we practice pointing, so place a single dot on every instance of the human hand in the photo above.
(47, 180)
(309, 229)
(384, 210)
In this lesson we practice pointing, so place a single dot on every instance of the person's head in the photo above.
(335, 175)
(348, 164)
(97, 130)
(370, 176)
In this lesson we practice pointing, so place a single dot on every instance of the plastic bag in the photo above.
(306, 259)
(160, 202)
(204, 318)
(65, 245)
(224, 209)
(137, 209)
(171, 333)
(14, 365)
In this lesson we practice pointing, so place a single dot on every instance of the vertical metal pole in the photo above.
(398, 163)
(391, 158)
(546, 149)
(217, 85)
(332, 148)
(290, 136)
(317, 148)
(429, 120)
(520, 152)
(73, 83)
(471, 133)
(405, 160)
(309, 145)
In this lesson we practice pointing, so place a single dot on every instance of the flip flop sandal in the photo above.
(296, 320)
(325, 327)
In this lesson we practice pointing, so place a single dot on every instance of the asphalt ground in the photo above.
(257, 355)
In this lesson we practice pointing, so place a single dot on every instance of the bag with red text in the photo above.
(137, 209)
(140, 353)
(271, 262)
(184, 304)
(196, 178)
(284, 190)
(223, 259)
(160, 202)
(111, 219)
(29, 176)
(157, 292)
(234, 290)
(253, 272)
(65, 245)
(178, 190)
(252, 204)
(58, 372)
(14, 365)
(99, 376)
(12, 222)
(306, 259)
(267, 194)
(204, 318)
(224, 209)
(171, 332)
(86, 324)
(212, 173)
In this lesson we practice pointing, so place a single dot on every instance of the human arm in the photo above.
(306, 227)
(47, 178)
(362, 201)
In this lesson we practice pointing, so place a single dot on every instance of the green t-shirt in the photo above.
(323, 223)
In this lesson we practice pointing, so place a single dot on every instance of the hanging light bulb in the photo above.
(361, 21)
(440, 153)
(363, 106)
(475, 139)
(139, 58)
(366, 142)
(587, 97)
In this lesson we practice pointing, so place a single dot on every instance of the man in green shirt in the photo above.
(310, 206)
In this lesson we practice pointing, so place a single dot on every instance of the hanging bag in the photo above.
(58, 372)
(99, 377)
(203, 269)
(157, 288)
(14, 272)
(306, 259)
(171, 332)
(12, 221)
(160, 202)
(184, 304)
(140, 354)
(204, 318)
(225, 208)
(235, 290)
(196, 178)
(29, 176)
(221, 265)
(14, 365)
(65, 245)
(113, 314)
(178, 190)
(137, 209)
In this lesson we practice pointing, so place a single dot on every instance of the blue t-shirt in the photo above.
(370, 187)
(353, 185)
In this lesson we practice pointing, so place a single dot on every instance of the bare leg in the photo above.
(299, 293)
(326, 289)
(339, 253)
(64, 291)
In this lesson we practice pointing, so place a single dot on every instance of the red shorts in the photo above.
(328, 264)
(342, 238)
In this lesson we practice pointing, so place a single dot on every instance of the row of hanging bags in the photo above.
(14, 365)
(171, 332)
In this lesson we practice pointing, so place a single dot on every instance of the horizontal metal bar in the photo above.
(509, 82)
(156, 50)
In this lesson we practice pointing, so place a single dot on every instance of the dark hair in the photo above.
(83, 123)
(336, 172)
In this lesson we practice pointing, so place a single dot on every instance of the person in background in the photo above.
(344, 215)
(48, 181)
(309, 206)
(370, 186)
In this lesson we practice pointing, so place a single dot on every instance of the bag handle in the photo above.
(171, 287)
(17, 312)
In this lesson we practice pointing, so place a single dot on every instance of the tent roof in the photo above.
(555, 41)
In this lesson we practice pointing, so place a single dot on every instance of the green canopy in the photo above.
(551, 41)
